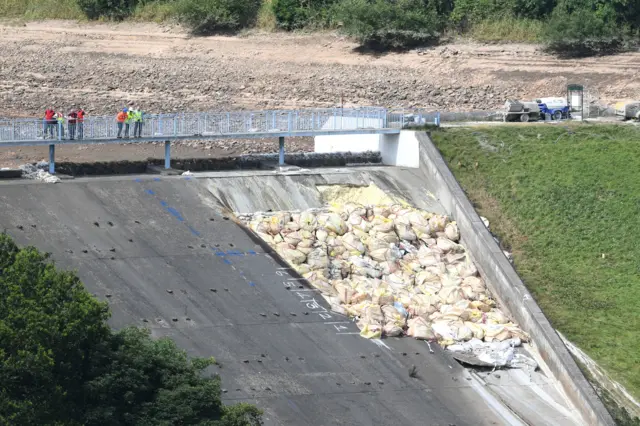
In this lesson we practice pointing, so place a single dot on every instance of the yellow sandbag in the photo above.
(437, 223)
(371, 331)
(495, 332)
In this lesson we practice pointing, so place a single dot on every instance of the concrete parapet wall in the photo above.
(507, 286)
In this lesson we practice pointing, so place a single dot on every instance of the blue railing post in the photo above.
(60, 130)
(228, 123)
(438, 119)
(281, 158)
(175, 126)
(274, 120)
(167, 154)
(289, 122)
(335, 119)
(52, 159)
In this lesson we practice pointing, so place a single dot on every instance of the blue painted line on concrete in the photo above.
(220, 253)
(156, 179)
(187, 178)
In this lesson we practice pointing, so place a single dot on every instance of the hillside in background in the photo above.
(567, 27)
(565, 201)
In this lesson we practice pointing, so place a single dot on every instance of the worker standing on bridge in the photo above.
(137, 123)
(120, 118)
(60, 121)
(127, 122)
(80, 123)
(72, 123)
(49, 122)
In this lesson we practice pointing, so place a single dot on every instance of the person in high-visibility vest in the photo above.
(121, 118)
(137, 123)
(60, 120)
(127, 122)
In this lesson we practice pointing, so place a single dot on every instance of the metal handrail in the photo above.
(205, 124)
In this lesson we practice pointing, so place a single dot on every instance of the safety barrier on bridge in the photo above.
(210, 125)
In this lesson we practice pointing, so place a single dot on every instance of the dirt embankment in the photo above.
(101, 66)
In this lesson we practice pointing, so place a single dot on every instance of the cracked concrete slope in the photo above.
(164, 259)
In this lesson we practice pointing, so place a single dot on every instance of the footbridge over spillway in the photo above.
(208, 126)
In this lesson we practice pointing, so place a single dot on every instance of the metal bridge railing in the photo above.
(206, 124)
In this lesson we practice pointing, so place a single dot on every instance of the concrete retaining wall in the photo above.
(505, 283)
(396, 149)
(332, 159)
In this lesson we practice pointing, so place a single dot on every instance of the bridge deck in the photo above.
(206, 126)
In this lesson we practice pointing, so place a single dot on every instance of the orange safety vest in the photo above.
(122, 116)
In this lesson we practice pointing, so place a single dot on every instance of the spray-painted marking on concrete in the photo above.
(305, 295)
(178, 216)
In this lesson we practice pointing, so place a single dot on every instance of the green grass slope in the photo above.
(566, 201)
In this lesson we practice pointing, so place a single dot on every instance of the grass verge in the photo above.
(566, 201)
(508, 30)
(40, 9)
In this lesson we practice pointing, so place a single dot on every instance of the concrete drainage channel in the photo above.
(307, 362)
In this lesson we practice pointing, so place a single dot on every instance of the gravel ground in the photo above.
(103, 66)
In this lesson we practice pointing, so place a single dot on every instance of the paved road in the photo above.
(164, 259)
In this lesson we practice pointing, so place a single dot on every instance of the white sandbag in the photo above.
(424, 277)
(437, 223)
(382, 211)
(450, 295)
(475, 283)
(318, 258)
(351, 208)
(392, 330)
(495, 332)
(388, 267)
(419, 328)
(393, 316)
(372, 314)
(464, 334)
(382, 224)
(302, 268)
(446, 245)
(496, 317)
(266, 238)
(308, 221)
(405, 232)
(321, 234)
(388, 237)
(305, 246)
(452, 232)
(353, 245)
(292, 238)
(363, 268)
(382, 296)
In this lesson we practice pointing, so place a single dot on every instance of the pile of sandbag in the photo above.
(396, 269)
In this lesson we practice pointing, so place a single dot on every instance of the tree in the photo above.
(62, 364)
(383, 24)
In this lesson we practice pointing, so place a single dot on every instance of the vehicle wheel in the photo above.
(524, 118)
(557, 115)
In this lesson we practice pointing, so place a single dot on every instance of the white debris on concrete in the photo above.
(492, 354)
(187, 173)
(36, 172)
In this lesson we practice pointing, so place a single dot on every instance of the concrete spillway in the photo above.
(165, 255)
